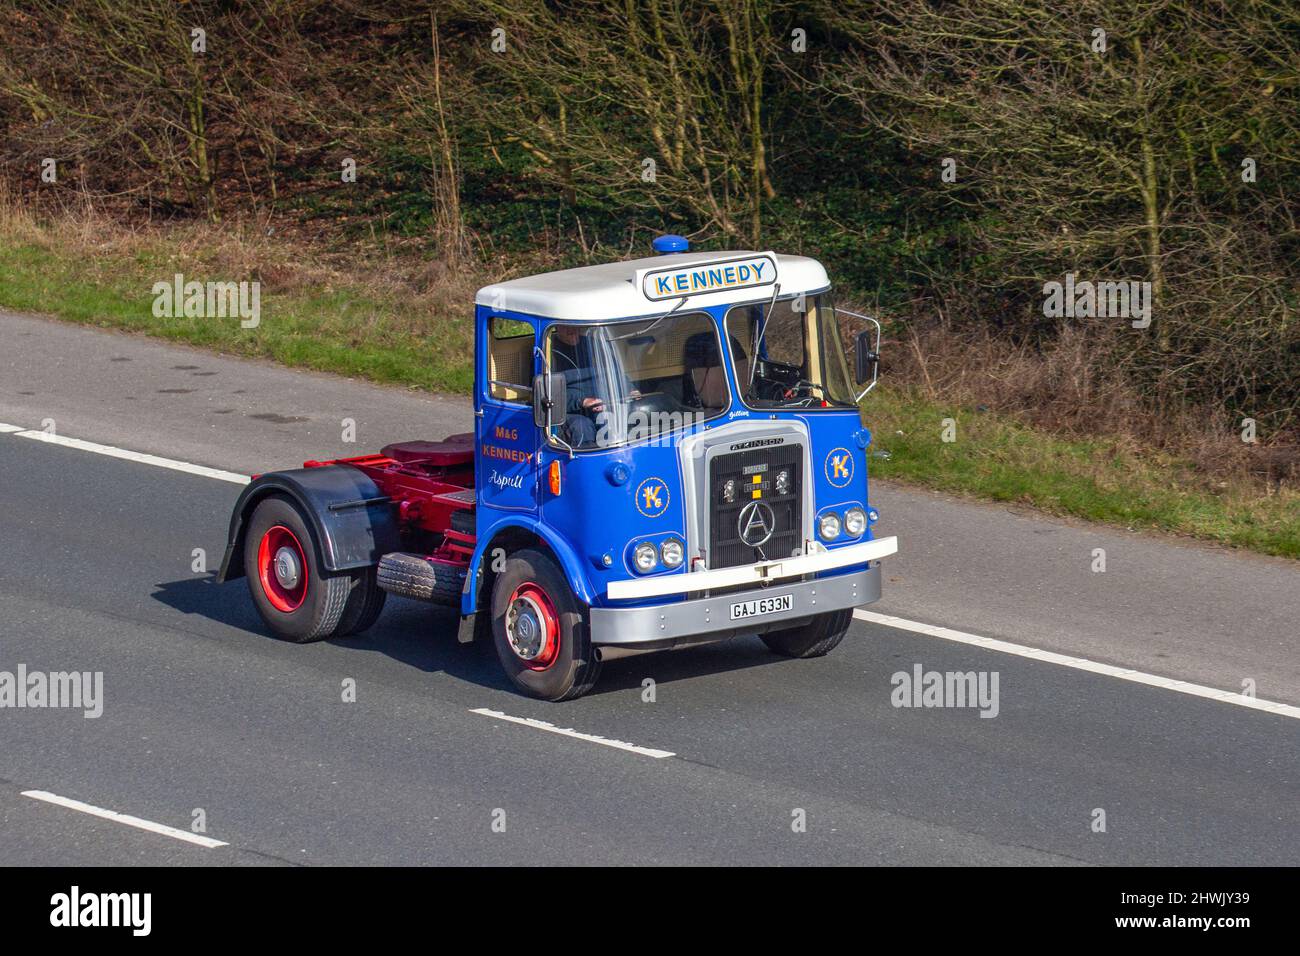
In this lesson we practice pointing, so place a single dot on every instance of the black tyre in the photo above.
(415, 576)
(540, 630)
(363, 604)
(299, 601)
(819, 636)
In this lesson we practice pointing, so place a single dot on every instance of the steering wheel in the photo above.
(650, 402)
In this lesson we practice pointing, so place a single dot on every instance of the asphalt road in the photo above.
(203, 711)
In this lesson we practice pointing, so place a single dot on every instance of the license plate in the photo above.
(760, 606)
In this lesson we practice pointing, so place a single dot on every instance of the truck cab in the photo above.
(666, 451)
(682, 435)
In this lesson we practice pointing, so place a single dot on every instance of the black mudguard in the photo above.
(355, 524)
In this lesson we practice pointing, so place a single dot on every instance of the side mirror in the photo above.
(866, 358)
(549, 405)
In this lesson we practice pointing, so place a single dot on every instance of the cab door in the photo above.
(506, 471)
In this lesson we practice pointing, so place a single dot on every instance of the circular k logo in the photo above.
(652, 497)
(839, 467)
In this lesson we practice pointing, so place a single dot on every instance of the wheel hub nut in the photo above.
(524, 629)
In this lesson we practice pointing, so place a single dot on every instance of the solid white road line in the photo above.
(1082, 664)
(947, 634)
(110, 451)
(591, 738)
(130, 821)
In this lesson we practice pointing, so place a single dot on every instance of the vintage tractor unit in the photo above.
(666, 451)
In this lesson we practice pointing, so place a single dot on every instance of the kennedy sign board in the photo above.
(719, 275)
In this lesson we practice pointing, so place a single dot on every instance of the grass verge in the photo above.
(375, 324)
(999, 458)
(324, 322)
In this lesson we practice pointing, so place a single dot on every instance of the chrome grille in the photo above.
(754, 470)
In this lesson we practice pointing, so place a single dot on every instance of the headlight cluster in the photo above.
(646, 557)
(830, 525)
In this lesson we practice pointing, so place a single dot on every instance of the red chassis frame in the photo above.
(428, 482)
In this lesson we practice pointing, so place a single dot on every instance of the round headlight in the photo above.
(855, 521)
(729, 491)
(783, 482)
(645, 556)
(671, 553)
(829, 525)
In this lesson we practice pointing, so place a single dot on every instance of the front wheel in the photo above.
(540, 631)
(819, 636)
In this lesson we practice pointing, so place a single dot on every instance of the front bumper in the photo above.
(709, 619)
(763, 573)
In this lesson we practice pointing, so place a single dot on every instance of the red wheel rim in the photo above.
(282, 566)
(533, 627)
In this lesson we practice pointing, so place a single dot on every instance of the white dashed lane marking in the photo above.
(590, 738)
(159, 828)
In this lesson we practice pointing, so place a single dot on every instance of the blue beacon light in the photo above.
(665, 245)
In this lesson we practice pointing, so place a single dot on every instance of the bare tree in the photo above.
(659, 104)
(1113, 138)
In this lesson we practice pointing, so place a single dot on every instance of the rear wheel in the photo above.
(297, 599)
(540, 630)
(363, 605)
(819, 636)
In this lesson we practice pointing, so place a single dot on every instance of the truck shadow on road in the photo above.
(424, 637)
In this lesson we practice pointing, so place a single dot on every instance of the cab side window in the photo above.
(510, 360)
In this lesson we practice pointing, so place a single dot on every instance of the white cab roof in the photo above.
(617, 290)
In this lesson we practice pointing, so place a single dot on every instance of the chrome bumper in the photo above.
(762, 573)
(709, 619)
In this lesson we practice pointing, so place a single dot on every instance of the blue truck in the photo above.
(666, 451)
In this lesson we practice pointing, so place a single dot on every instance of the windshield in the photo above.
(630, 381)
(800, 354)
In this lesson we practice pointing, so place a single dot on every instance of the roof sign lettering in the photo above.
(742, 273)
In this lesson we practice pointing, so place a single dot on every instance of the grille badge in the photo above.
(756, 524)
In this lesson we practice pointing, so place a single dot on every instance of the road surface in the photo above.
(772, 760)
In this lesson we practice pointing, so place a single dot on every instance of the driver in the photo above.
(573, 354)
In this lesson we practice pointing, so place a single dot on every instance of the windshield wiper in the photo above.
(667, 315)
(758, 335)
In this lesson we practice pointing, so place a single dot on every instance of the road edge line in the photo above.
(886, 620)
(1081, 663)
(126, 454)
